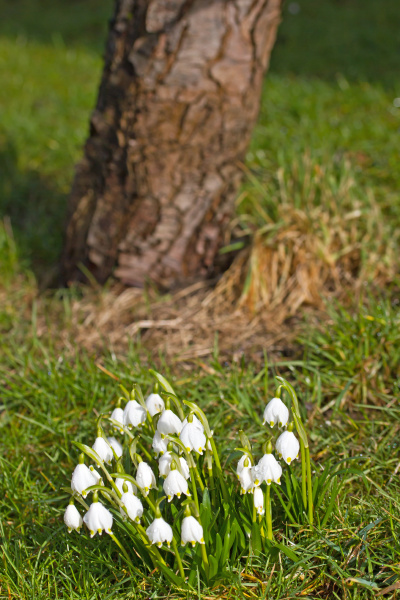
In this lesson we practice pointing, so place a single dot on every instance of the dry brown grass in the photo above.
(336, 241)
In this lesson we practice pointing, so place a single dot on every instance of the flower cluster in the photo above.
(153, 458)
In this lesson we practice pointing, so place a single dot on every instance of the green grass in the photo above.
(328, 100)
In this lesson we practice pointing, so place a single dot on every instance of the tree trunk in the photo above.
(178, 100)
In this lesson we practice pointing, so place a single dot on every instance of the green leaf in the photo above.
(213, 566)
(289, 552)
(173, 577)
(164, 383)
(218, 546)
(256, 539)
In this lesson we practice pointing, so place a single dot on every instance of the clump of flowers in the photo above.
(154, 470)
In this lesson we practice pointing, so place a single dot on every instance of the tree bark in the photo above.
(178, 100)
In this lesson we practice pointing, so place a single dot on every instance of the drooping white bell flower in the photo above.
(195, 421)
(103, 450)
(159, 531)
(276, 412)
(159, 444)
(191, 531)
(175, 485)
(287, 446)
(145, 478)
(82, 478)
(246, 480)
(119, 482)
(169, 422)
(243, 462)
(133, 506)
(259, 500)
(116, 446)
(134, 414)
(268, 470)
(193, 438)
(118, 415)
(98, 518)
(164, 465)
(72, 518)
(154, 404)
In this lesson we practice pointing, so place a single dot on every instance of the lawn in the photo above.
(322, 168)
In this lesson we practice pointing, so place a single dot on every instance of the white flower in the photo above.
(195, 421)
(103, 450)
(154, 404)
(164, 465)
(241, 464)
(72, 518)
(246, 480)
(134, 414)
(119, 482)
(145, 478)
(82, 478)
(259, 500)
(193, 438)
(159, 531)
(118, 415)
(97, 518)
(116, 446)
(268, 470)
(175, 484)
(159, 444)
(276, 412)
(133, 506)
(287, 446)
(191, 531)
(169, 423)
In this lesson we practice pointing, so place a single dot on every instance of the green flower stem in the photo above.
(268, 517)
(205, 559)
(195, 497)
(178, 558)
(198, 477)
(219, 471)
(309, 486)
(145, 452)
(152, 549)
(303, 474)
(124, 552)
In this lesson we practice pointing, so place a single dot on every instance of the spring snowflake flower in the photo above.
(98, 518)
(268, 470)
(116, 446)
(134, 414)
(169, 423)
(195, 421)
(154, 404)
(159, 531)
(159, 444)
(118, 416)
(164, 465)
(193, 438)
(244, 472)
(145, 478)
(119, 482)
(241, 464)
(133, 506)
(103, 449)
(287, 446)
(276, 412)
(82, 478)
(191, 531)
(259, 500)
(72, 518)
(175, 484)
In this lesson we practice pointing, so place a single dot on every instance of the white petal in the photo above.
(175, 484)
(117, 447)
(169, 423)
(159, 444)
(268, 470)
(191, 531)
(103, 450)
(259, 500)
(196, 422)
(98, 517)
(276, 412)
(134, 414)
(82, 478)
(154, 404)
(246, 480)
(159, 531)
(132, 504)
(287, 445)
(240, 465)
(118, 415)
(145, 478)
(193, 438)
(72, 518)
(119, 482)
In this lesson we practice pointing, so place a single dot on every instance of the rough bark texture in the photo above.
(177, 104)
